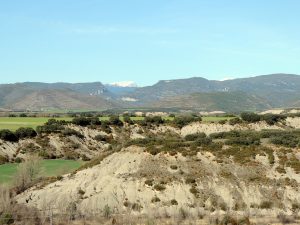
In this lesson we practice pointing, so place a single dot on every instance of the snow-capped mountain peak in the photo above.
(124, 84)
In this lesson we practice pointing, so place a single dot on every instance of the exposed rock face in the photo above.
(137, 181)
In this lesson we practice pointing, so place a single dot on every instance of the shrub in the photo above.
(3, 159)
(235, 121)
(100, 137)
(174, 167)
(154, 120)
(286, 139)
(7, 135)
(25, 132)
(52, 126)
(159, 187)
(182, 121)
(193, 137)
(174, 202)
(70, 132)
(250, 117)
(155, 199)
(136, 207)
(266, 205)
(105, 127)
(194, 191)
(243, 141)
(190, 180)
(203, 141)
(18, 160)
(271, 119)
(127, 119)
(82, 121)
(85, 158)
(149, 182)
(81, 192)
(115, 121)
(95, 121)
(107, 211)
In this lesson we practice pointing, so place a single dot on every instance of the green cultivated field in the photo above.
(48, 168)
(13, 123)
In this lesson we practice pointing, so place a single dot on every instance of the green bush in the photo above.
(52, 126)
(243, 141)
(127, 119)
(154, 120)
(194, 137)
(235, 121)
(250, 117)
(115, 121)
(174, 202)
(182, 121)
(7, 135)
(82, 121)
(3, 159)
(25, 132)
(271, 119)
(286, 139)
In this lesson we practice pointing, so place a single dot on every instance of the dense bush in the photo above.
(244, 140)
(182, 121)
(286, 139)
(235, 121)
(250, 117)
(154, 120)
(25, 132)
(271, 119)
(82, 121)
(8, 135)
(115, 121)
(53, 128)
(203, 141)
(127, 119)
(193, 137)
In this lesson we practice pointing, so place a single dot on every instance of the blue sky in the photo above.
(146, 40)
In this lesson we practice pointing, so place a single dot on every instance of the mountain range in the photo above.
(253, 93)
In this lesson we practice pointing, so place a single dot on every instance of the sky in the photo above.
(146, 40)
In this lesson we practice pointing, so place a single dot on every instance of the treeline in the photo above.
(270, 119)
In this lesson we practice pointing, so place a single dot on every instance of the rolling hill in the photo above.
(253, 93)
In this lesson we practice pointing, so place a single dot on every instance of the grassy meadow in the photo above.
(48, 168)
